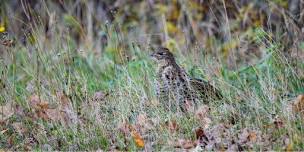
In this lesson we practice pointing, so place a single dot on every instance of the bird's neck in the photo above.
(162, 65)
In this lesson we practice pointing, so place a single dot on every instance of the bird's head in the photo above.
(162, 56)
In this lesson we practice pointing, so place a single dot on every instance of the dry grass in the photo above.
(70, 88)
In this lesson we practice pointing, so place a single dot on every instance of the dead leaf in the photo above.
(34, 101)
(298, 105)
(69, 116)
(141, 119)
(124, 128)
(6, 111)
(43, 105)
(155, 102)
(173, 126)
(289, 145)
(98, 96)
(202, 139)
(139, 142)
(248, 138)
(39, 107)
(278, 123)
(201, 115)
(252, 136)
(189, 106)
(19, 128)
(63, 99)
(184, 144)
(200, 134)
(3, 131)
(54, 114)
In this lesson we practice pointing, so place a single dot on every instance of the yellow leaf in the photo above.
(289, 147)
(229, 46)
(161, 9)
(2, 29)
(171, 45)
(172, 29)
(138, 139)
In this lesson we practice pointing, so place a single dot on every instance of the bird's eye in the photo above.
(161, 53)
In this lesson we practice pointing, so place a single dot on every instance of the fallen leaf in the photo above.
(34, 101)
(298, 105)
(98, 96)
(63, 99)
(278, 123)
(43, 105)
(201, 137)
(39, 107)
(249, 138)
(67, 112)
(141, 119)
(201, 115)
(289, 147)
(252, 136)
(3, 131)
(124, 127)
(155, 102)
(200, 134)
(173, 126)
(54, 114)
(19, 128)
(138, 139)
(189, 106)
(6, 111)
(184, 144)
(288, 144)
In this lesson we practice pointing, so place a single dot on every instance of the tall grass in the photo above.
(256, 96)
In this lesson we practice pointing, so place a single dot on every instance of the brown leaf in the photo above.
(248, 136)
(19, 128)
(173, 126)
(201, 137)
(39, 107)
(184, 144)
(42, 114)
(252, 136)
(69, 116)
(124, 128)
(54, 114)
(43, 105)
(201, 115)
(141, 119)
(298, 105)
(189, 106)
(99, 96)
(63, 98)
(278, 123)
(199, 132)
(34, 101)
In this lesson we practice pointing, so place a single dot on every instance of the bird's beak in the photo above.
(152, 56)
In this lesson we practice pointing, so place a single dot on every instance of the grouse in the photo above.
(175, 88)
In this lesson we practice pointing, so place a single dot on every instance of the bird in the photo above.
(175, 88)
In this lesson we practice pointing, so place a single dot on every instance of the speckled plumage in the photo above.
(175, 88)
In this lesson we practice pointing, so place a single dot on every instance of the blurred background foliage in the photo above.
(219, 27)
